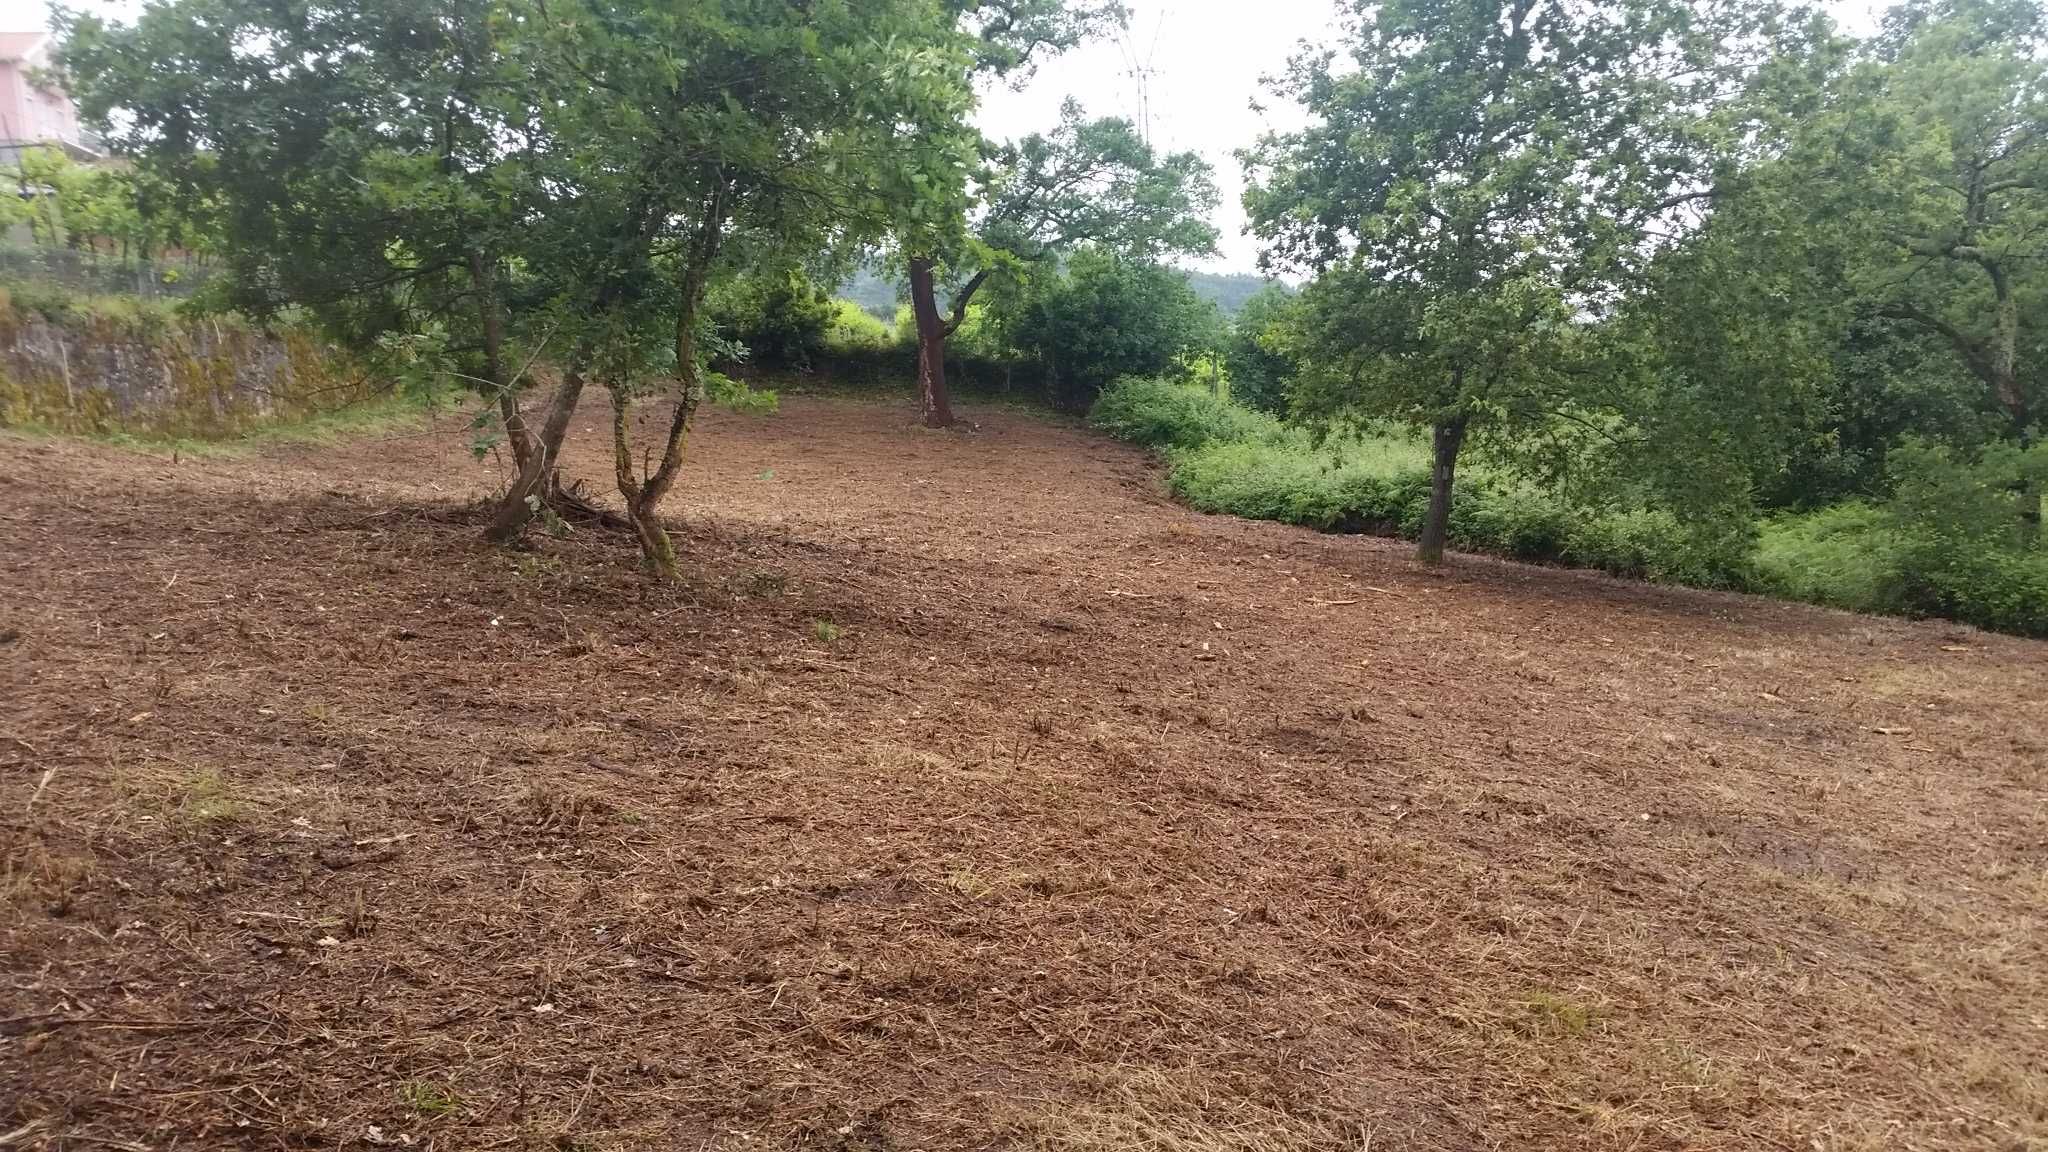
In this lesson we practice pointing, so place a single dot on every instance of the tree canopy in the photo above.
(1087, 181)
(393, 165)
(1477, 186)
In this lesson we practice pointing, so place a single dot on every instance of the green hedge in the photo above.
(1163, 414)
(1229, 459)
(892, 368)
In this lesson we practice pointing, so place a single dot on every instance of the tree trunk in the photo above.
(931, 347)
(2004, 358)
(643, 498)
(536, 479)
(536, 482)
(1446, 437)
(657, 552)
(493, 318)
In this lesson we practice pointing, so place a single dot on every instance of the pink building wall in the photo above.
(30, 114)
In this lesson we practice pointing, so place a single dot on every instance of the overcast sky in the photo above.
(1201, 62)
(1204, 61)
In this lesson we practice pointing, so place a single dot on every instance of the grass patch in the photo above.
(352, 421)
(368, 417)
(1554, 1015)
(825, 631)
(429, 1098)
(971, 884)
(206, 797)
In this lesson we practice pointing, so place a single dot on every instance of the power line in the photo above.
(1141, 71)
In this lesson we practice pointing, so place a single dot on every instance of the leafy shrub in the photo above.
(739, 396)
(1163, 414)
(112, 313)
(1900, 559)
(1365, 486)
(1259, 371)
(780, 317)
(1654, 544)
(2003, 590)
(852, 328)
(1849, 556)
(1105, 317)
(1518, 524)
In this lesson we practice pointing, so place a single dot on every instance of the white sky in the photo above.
(1203, 60)
(1206, 60)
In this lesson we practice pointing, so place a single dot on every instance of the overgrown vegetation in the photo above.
(1945, 544)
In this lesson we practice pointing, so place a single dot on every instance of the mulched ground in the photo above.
(970, 794)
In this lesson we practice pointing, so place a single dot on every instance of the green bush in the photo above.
(1953, 544)
(851, 328)
(1364, 486)
(780, 316)
(1654, 544)
(1104, 317)
(1850, 556)
(740, 396)
(1259, 371)
(1163, 414)
(1873, 559)
(61, 305)
(1521, 525)
(2002, 590)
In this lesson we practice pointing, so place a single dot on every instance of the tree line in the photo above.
(480, 185)
(1713, 250)
(1713, 255)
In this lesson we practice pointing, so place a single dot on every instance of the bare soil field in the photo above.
(969, 794)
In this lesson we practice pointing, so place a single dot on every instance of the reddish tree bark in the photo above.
(932, 332)
(931, 347)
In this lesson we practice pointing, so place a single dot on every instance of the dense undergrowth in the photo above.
(1226, 458)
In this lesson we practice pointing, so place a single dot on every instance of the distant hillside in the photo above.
(879, 295)
(1228, 289)
(872, 291)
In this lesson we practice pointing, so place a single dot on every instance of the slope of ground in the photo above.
(970, 794)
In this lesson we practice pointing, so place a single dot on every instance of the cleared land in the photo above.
(1099, 824)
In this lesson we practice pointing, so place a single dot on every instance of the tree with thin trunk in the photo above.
(1089, 181)
(1477, 182)
(480, 182)
(672, 129)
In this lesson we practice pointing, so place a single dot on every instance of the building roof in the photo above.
(20, 45)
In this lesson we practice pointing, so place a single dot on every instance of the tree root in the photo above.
(575, 507)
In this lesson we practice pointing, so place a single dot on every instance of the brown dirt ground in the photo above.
(1101, 824)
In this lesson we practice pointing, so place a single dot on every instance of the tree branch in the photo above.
(1971, 349)
(960, 299)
